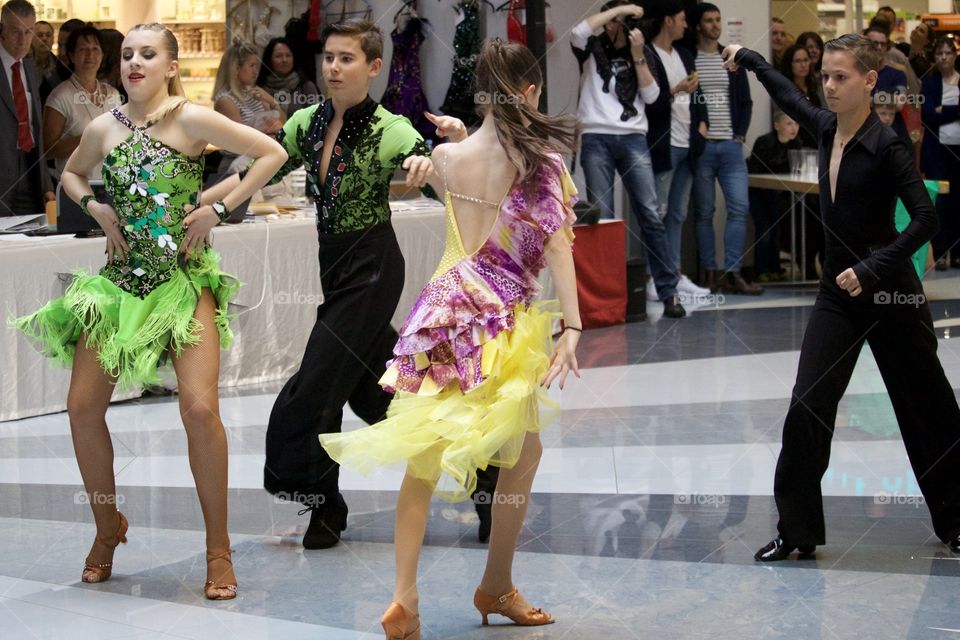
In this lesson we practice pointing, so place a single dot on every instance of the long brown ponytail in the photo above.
(504, 70)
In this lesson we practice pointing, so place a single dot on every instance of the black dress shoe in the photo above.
(734, 283)
(326, 523)
(672, 308)
(955, 545)
(777, 550)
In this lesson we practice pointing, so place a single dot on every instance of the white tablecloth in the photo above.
(274, 311)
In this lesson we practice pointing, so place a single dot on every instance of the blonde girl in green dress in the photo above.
(161, 292)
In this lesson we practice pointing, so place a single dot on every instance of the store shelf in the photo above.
(208, 55)
(189, 22)
(107, 22)
(103, 13)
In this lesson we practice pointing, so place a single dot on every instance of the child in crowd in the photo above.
(771, 155)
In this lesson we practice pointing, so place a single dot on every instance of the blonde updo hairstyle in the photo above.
(174, 86)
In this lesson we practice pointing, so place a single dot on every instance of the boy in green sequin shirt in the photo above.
(350, 147)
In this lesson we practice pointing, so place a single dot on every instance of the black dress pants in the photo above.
(767, 207)
(25, 195)
(900, 333)
(362, 274)
(947, 239)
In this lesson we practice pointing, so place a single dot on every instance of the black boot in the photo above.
(709, 279)
(777, 549)
(672, 308)
(955, 544)
(482, 498)
(326, 523)
(485, 513)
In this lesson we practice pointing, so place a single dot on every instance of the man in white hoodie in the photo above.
(616, 85)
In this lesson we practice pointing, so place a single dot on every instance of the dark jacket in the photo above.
(769, 155)
(663, 98)
(741, 110)
(8, 127)
(877, 168)
(931, 152)
(659, 114)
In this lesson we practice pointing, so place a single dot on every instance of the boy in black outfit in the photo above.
(770, 155)
(869, 292)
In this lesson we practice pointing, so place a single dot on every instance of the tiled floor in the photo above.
(653, 493)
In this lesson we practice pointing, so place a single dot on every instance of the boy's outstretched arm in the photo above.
(788, 97)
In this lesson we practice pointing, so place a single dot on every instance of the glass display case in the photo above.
(56, 12)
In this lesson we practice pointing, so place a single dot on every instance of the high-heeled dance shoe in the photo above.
(778, 549)
(94, 572)
(214, 590)
(510, 605)
(396, 620)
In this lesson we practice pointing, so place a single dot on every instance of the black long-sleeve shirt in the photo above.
(769, 155)
(876, 168)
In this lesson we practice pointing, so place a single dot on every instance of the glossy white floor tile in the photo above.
(159, 415)
(654, 491)
(706, 380)
(727, 379)
(41, 610)
(856, 469)
(591, 597)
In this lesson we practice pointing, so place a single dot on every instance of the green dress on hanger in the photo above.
(466, 45)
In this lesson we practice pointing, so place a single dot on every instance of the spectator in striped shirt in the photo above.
(717, 145)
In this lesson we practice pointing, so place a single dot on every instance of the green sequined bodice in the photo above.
(150, 183)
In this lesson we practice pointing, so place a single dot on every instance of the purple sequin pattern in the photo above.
(467, 305)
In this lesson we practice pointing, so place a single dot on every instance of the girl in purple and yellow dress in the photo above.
(474, 354)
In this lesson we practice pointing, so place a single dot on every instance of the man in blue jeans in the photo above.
(670, 129)
(616, 86)
(717, 145)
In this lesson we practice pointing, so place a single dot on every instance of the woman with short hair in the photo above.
(75, 102)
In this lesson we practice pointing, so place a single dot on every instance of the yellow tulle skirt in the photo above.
(444, 438)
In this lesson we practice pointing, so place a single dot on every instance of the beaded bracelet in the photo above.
(85, 203)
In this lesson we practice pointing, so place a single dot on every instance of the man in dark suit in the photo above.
(25, 184)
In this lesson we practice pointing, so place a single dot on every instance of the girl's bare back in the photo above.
(478, 176)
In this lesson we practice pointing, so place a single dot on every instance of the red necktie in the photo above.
(24, 139)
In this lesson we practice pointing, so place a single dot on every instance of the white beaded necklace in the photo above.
(97, 98)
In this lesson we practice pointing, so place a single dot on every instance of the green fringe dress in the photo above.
(139, 308)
